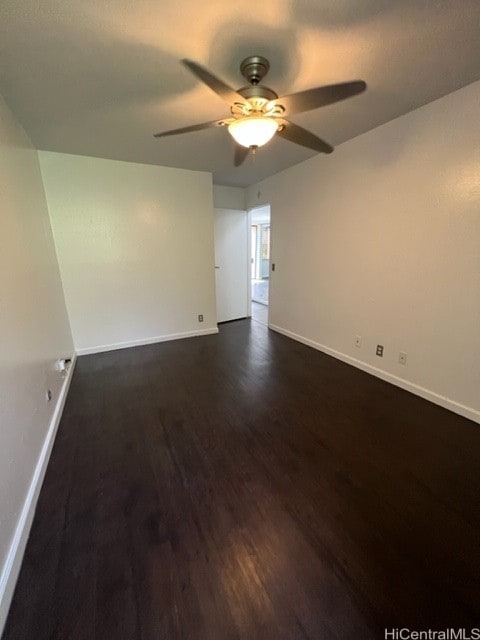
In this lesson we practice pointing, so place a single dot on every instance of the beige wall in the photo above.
(382, 239)
(34, 333)
(135, 247)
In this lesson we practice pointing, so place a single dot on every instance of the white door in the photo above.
(231, 263)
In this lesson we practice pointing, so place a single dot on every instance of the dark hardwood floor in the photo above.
(244, 486)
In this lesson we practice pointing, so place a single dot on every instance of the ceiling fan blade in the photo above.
(299, 135)
(193, 127)
(321, 96)
(241, 154)
(218, 86)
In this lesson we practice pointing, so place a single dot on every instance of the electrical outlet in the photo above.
(200, 317)
(358, 341)
(379, 351)
(61, 365)
(402, 357)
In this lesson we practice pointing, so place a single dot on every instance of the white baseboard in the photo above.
(13, 562)
(142, 341)
(427, 394)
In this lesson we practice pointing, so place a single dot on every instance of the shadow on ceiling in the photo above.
(337, 13)
(81, 72)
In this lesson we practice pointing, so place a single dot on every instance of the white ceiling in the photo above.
(99, 77)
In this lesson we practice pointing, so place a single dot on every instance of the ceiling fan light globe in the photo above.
(253, 131)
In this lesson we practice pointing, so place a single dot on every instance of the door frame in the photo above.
(248, 269)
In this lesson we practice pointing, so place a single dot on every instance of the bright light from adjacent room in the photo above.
(253, 131)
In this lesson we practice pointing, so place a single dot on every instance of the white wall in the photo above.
(382, 239)
(228, 197)
(135, 247)
(34, 333)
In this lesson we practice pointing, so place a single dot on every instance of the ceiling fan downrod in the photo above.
(254, 69)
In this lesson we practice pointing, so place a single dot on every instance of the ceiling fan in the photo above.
(257, 113)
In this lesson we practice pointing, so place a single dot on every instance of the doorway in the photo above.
(260, 262)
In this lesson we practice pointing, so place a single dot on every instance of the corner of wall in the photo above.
(13, 561)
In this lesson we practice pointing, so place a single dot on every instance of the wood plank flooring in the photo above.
(243, 486)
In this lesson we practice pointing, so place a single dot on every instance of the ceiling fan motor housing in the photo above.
(261, 99)
(252, 92)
